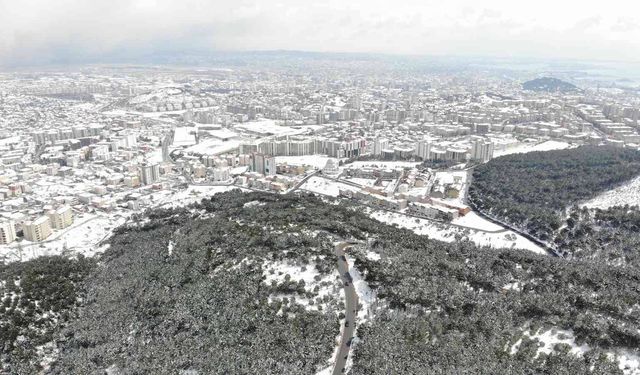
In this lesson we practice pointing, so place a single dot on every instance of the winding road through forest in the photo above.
(351, 309)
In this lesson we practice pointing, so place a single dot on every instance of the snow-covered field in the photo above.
(213, 146)
(362, 181)
(447, 233)
(628, 193)
(184, 136)
(317, 161)
(52, 186)
(530, 147)
(89, 230)
(268, 127)
(327, 187)
(382, 164)
(192, 194)
(472, 220)
(82, 237)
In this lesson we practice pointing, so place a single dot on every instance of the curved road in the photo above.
(351, 309)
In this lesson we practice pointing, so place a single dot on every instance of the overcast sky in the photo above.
(41, 31)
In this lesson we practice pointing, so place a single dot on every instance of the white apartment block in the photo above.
(37, 230)
(423, 150)
(379, 145)
(7, 232)
(482, 150)
(61, 217)
(149, 173)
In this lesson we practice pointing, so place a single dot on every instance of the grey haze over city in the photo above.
(38, 32)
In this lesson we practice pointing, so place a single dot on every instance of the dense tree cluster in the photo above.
(459, 309)
(439, 164)
(203, 306)
(37, 297)
(611, 235)
(549, 84)
(185, 292)
(532, 191)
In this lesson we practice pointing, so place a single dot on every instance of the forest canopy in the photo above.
(532, 191)
(186, 292)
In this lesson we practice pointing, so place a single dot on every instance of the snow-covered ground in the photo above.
(550, 338)
(184, 136)
(155, 156)
(324, 186)
(472, 220)
(530, 147)
(628, 361)
(382, 164)
(268, 127)
(88, 230)
(213, 146)
(628, 193)
(447, 233)
(366, 296)
(448, 177)
(362, 181)
(317, 161)
(53, 186)
(192, 194)
(328, 285)
(82, 237)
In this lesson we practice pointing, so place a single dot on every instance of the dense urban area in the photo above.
(199, 220)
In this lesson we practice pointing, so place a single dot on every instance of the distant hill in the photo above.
(549, 84)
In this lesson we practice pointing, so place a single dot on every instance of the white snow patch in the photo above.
(324, 186)
(550, 338)
(628, 361)
(327, 284)
(362, 181)
(523, 148)
(628, 193)
(253, 204)
(192, 194)
(366, 296)
(513, 286)
(447, 233)
(82, 237)
(316, 161)
(382, 164)
(372, 255)
(474, 221)
(170, 247)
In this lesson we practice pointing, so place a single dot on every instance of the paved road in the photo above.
(351, 308)
(550, 249)
(301, 182)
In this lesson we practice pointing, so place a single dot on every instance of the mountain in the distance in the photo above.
(549, 84)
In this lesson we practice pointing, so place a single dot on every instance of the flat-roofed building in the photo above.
(37, 230)
(7, 232)
(61, 218)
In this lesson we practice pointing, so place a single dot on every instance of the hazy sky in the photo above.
(40, 31)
